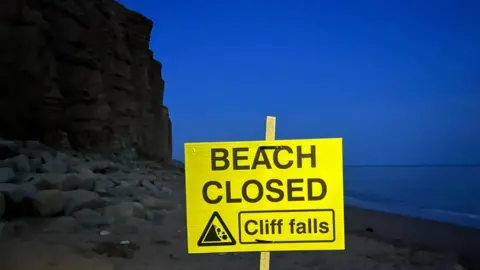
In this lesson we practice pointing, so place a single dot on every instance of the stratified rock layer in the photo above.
(81, 69)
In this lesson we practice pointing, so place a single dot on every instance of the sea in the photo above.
(446, 193)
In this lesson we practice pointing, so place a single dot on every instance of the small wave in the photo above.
(453, 213)
(372, 198)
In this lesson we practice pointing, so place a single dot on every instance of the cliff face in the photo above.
(81, 68)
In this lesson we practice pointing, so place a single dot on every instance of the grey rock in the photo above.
(35, 145)
(143, 177)
(130, 184)
(91, 218)
(52, 164)
(177, 177)
(70, 182)
(151, 188)
(149, 164)
(21, 164)
(48, 202)
(16, 192)
(86, 172)
(62, 181)
(166, 190)
(103, 185)
(157, 204)
(114, 179)
(59, 181)
(68, 159)
(28, 189)
(155, 216)
(79, 199)
(36, 164)
(2, 204)
(101, 166)
(12, 192)
(126, 209)
(116, 200)
(121, 191)
(133, 178)
(139, 192)
(170, 176)
(7, 143)
(18, 198)
(159, 185)
(6, 175)
(87, 179)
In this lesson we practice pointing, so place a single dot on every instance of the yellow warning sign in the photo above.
(216, 233)
(273, 195)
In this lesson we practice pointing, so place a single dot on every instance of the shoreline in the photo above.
(469, 220)
(417, 232)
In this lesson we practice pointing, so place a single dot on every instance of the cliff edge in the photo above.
(81, 71)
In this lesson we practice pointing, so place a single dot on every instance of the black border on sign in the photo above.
(205, 231)
(284, 211)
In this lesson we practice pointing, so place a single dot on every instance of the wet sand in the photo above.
(403, 230)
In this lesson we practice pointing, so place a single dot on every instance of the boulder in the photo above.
(103, 185)
(18, 198)
(48, 202)
(6, 175)
(91, 218)
(121, 191)
(79, 199)
(51, 164)
(13, 193)
(152, 189)
(21, 163)
(61, 181)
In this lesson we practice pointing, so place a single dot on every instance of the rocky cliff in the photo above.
(81, 71)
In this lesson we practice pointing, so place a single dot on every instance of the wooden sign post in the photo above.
(269, 135)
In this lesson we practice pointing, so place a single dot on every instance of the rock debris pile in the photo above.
(37, 181)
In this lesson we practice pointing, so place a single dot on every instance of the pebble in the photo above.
(104, 233)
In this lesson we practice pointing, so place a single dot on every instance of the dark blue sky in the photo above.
(398, 80)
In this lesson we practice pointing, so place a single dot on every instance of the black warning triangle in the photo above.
(216, 233)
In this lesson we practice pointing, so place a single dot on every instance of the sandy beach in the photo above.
(375, 240)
